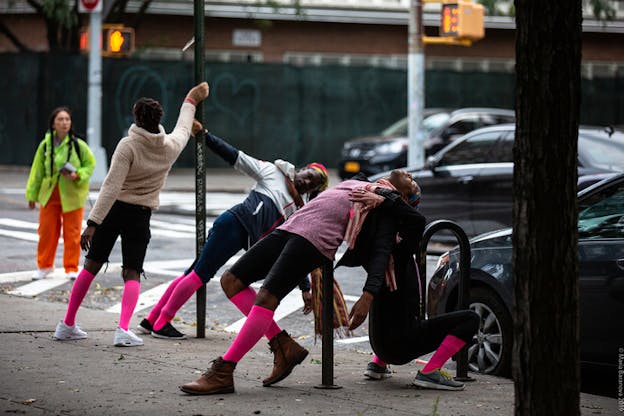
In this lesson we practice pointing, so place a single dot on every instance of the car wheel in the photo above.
(490, 352)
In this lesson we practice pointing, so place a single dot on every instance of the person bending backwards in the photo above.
(277, 194)
(398, 330)
(130, 192)
(310, 237)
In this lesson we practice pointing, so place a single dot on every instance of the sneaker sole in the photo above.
(155, 335)
(435, 386)
(224, 390)
(121, 344)
(376, 376)
(286, 373)
(68, 339)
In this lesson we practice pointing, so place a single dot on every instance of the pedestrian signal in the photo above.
(461, 19)
(118, 41)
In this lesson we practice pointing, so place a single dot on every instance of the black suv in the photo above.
(471, 180)
(388, 150)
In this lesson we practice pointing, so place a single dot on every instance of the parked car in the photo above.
(470, 181)
(601, 273)
(388, 150)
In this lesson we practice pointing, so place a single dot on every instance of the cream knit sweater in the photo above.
(140, 165)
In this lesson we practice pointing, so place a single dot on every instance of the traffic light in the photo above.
(118, 41)
(461, 19)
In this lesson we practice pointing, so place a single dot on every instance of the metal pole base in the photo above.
(327, 386)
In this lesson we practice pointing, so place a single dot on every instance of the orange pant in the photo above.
(51, 218)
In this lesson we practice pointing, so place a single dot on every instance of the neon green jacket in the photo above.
(40, 184)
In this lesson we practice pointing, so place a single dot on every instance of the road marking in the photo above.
(354, 340)
(20, 235)
(16, 277)
(38, 286)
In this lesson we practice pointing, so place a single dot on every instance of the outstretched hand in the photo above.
(359, 311)
(196, 128)
(198, 93)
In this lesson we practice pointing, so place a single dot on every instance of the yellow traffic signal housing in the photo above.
(117, 41)
(461, 19)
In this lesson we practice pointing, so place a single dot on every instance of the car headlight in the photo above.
(391, 147)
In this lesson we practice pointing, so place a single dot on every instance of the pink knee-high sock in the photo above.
(132, 289)
(79, 290)
(449, 346)
(244, 300)
(255, 325)
(183, 291)
(378, 361)
(155, 312)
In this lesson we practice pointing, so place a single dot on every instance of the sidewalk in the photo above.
(91, 377)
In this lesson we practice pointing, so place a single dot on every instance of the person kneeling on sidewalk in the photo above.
(130, 192)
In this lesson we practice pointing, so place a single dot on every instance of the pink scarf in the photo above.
(357, 215)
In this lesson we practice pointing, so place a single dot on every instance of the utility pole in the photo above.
(200, 163)
(94, 103)
(415, 87)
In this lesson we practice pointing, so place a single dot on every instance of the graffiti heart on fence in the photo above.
(134, 83)
(237, 99)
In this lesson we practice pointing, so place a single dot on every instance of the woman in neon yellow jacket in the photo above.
(59, 182)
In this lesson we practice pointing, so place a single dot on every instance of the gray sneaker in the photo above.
(376, 372)
(438, 380)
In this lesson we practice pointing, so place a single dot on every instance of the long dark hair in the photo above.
(147, 114)
(71, 133)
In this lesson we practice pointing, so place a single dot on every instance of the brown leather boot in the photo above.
(286, 355)
(217, 379)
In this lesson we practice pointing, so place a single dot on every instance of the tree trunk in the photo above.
(545, 211)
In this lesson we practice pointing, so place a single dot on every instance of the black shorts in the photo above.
(132, 223)
(282, 259)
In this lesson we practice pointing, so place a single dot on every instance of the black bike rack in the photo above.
(327, 367)
(463, 301)
(327, 333)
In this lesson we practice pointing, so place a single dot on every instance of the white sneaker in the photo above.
(71, 275)
(127, 338)
(41, 273)
(65, 332)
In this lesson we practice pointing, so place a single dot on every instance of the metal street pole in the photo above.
(415, 86)
(200, 164)
(94, 103)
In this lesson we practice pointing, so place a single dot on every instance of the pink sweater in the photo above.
(323, 221)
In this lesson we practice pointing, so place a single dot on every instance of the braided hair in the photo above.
(147, 113)
(71, 133)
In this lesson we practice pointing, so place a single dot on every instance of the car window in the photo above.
(397, 129)
(602, 215)
(476, 149)
(465, 125)
(503, 150)
(600, 152)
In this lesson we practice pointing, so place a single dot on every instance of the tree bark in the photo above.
(545, 211)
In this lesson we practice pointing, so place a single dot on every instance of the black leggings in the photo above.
(396, 334)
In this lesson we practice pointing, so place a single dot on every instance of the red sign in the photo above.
(89, 5)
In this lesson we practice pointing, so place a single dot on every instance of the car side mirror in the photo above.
(431, 163)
